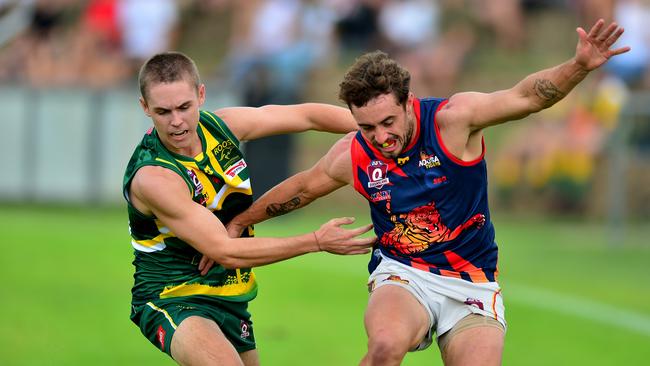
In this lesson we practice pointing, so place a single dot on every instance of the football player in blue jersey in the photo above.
(420, 164)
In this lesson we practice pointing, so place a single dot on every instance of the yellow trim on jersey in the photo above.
(155, 241)
(169, 318)
(236, 289)
(219, 126)
(165, 161)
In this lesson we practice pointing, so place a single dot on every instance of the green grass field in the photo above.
(572, 297)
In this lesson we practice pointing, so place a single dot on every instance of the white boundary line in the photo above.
(579, 307)
(531, 296)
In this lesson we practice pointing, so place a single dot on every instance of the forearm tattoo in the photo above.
(546, 90)
(279, 209)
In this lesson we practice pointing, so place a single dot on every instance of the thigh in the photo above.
(250, 358)
(395, 310)
(478, 343)
(200, 341)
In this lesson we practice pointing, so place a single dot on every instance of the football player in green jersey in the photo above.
(185, 181)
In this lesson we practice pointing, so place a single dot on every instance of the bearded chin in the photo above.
(408, 136)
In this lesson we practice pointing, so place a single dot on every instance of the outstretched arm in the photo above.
(331, 172)
(160, 192)
(248, 123)
(544, 88)
(466, 114)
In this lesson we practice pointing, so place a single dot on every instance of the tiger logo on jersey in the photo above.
(415, 231)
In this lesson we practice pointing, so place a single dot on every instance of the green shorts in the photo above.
(159, 319)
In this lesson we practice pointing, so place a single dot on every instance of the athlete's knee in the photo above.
(384, 348)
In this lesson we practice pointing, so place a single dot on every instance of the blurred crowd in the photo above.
(273, 47)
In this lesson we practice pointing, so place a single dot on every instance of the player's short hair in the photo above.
(372, 75)
(167, 67)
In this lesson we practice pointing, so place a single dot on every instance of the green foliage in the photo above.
(571, 297)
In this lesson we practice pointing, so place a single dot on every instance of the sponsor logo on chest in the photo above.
(428, 161)
(198, 187)
(236, 168)
(380, 196)
(223, 150)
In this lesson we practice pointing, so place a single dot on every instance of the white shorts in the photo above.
(446, 299)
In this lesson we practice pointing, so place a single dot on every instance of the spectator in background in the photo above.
(274, 47)
(357, 25)
(44, 47)
(148, 27)
(97, 49)
(505, 19)
(413, 31)
(632, 68)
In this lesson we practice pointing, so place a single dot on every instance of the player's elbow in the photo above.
(226, 256)
(230, 262)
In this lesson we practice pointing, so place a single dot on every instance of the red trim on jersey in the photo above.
(420, 266)
(392, 166)
(451, 156)
(460, 264)
(359, 157)
(448, 273)
(391, 162)
(420, 263)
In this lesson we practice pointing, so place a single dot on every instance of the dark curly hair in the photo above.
(372, 75)
(167, 67)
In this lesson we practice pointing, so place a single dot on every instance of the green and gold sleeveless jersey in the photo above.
(166, 266)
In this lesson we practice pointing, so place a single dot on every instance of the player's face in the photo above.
(174, 109)
(387, 125)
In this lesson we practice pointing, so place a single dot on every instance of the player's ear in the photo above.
(145, 106)
(409, 104)
(201, 94)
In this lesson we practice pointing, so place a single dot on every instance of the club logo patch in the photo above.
(396, 278)
(402, 161)
(476, 302)
(223, 150)
(377, 171)
(244, 329)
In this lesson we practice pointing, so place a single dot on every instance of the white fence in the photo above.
(66, 145)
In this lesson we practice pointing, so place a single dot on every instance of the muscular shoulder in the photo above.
(152, 185)
(459, 110)
(338, 161)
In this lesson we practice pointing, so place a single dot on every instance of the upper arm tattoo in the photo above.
(545, 89)
(278, 209)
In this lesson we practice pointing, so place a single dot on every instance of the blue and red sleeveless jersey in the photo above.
(429, 208)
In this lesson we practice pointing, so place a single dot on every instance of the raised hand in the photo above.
(594, 49)
(333, 238)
